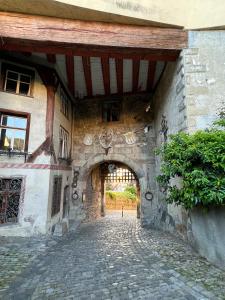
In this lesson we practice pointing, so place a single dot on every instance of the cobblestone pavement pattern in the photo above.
(111, 258)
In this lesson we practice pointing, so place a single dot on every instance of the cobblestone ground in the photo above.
(111, 258)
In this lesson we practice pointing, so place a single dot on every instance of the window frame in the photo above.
(21, 71)
(18, 114)
(62, 129)
(112, 101)
(64, 103)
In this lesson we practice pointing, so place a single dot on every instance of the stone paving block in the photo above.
(110, 258)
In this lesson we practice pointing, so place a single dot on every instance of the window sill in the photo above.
(13, 153)
(21, 95)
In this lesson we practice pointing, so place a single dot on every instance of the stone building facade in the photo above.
(63, 115)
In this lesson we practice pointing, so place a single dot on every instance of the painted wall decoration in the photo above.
(130, 138)
(164, 128)
(88, 139)
(107, 138)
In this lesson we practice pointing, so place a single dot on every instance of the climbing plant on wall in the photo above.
(199, 161)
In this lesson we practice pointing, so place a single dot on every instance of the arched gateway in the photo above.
(91, 187)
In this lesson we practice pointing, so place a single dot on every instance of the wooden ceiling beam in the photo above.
(119, 75)
(135, 74)
(44, 28)
(106, 74)
(17, 45)
(87, 75)
(51, 58)
(151, 75)
(70, 73)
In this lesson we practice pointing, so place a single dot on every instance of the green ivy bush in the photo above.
(199, 159)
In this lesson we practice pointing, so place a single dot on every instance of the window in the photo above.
(10, 189)
(17, 80)
(63, 143)
(111, 111)
(13, 132)
(56, 196)
(64, 103)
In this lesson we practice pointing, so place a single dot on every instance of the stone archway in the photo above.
(97, 160)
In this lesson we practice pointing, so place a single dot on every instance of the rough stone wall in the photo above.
(169, 103)
(204, 77)
(92, 202)
(139, 156)
(205, 97)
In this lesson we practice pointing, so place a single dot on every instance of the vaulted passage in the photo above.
(111, 185)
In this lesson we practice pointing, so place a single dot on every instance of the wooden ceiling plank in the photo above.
(119, 75)
(70, 73)
(43, 28)
(106, 74)
(135, 74)
(87, 75)
(151, 75)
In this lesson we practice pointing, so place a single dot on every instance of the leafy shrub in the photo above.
(199, 159)
(131, 189)
(123, 196)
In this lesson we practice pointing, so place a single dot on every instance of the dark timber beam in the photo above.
(135, 75)
(17, 45)
(51, 58)
(151, 75)
(67, 31)
(70, 73)
(119, 75)
(87, 75)
(106, 74)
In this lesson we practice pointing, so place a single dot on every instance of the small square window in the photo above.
(17, 80)
(64, 105)
(111, 111)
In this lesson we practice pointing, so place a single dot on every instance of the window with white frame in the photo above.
(13, 132)
(64, 105)
(17, 80)
(63, 143)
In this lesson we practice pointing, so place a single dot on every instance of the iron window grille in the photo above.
(13, 132)
(63, 143)
(10, 191)
(64, 103)
(56, 195)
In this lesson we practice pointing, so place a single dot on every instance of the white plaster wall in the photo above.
(61, 120)
(66, 180)
(33, 207)
(36, 106)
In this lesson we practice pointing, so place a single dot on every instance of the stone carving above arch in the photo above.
(95, 160)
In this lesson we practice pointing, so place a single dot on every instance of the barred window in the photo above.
(10, 190)
(64, 105)
(17, 80)
(63, 143)
(56, 195)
